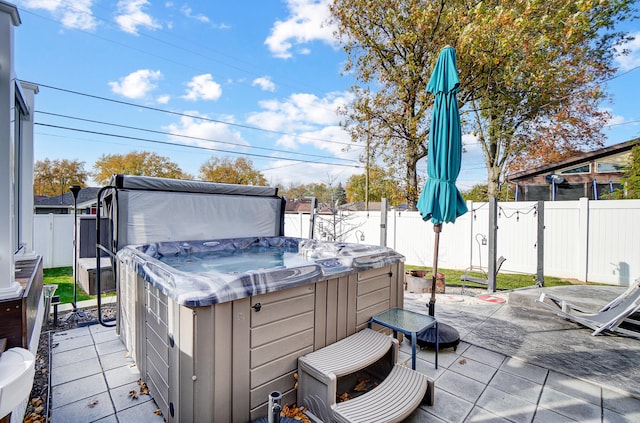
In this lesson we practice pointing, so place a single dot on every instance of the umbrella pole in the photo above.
(434, 273)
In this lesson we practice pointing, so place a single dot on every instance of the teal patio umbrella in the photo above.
(440, 200)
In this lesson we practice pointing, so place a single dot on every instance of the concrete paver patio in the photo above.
(516, 363)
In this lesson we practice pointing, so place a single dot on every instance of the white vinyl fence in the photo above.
(53, 239)
(595, 241)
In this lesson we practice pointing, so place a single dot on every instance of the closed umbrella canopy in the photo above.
(440, 199)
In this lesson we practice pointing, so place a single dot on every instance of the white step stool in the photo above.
(397, 396)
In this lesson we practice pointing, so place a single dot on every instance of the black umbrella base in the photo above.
(448, 337)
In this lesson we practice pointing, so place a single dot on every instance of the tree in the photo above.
(381, 185)
(572, 131)
(322, 192)
(521, 64)
(631, 179)
(531, 72)
(390, 50)
(480, 193)
(139, 163)
(224, 170)
(53, 177)
(341, 194)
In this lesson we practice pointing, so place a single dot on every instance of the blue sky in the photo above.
(260, 79)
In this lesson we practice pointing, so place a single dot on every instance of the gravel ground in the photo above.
(40, 401)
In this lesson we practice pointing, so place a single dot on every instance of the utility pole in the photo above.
(366, 175)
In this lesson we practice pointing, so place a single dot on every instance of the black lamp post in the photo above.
(75, 189)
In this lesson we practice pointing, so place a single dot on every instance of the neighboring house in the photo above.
(294, 205)
(63, 204)
(591, 175)
(373, 206)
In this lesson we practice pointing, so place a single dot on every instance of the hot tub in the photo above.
(216, 325)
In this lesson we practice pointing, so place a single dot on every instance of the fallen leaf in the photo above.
(361, 386)
(343, 397)
(463, 361)
(92, 403)
(144, 390)
(133, 394)
(158, 412)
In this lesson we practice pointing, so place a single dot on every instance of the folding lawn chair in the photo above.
(614, 316)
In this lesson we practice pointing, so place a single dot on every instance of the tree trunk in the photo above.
(412, 186)
(493, 181)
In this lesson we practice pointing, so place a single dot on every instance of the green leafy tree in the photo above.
(225, 170)
(382, 184)
(139, 163)
(390, 50)
(480, 193)
(53, 177)
(341, 194)
(320, 191)
(521, 64)
(531, 69)
(631, 180)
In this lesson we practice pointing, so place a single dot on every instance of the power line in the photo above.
(171, 112)
(188, 146)
(190, 137)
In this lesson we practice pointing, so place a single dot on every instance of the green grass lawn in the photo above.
(63, 277)
(504, 281)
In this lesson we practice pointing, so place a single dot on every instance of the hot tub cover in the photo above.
(315, 261)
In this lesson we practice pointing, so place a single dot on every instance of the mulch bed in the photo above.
(38, 408)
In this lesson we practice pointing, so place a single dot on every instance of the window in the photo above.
(20, 114)
(585, 168)
(615, 163)
(609, 167)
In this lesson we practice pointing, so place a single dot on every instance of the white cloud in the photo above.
(613, 118)
(299, 112)
(314, 126)
(137, 84)
(131, 16)
(203, 87)
(163, 99)
(631, 60)
(76, 14)
(208, 132)
(188, 12)
(307, 22)
(265, 83)
(286, 172)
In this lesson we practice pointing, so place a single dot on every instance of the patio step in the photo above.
(402, 390)
(392, 401)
